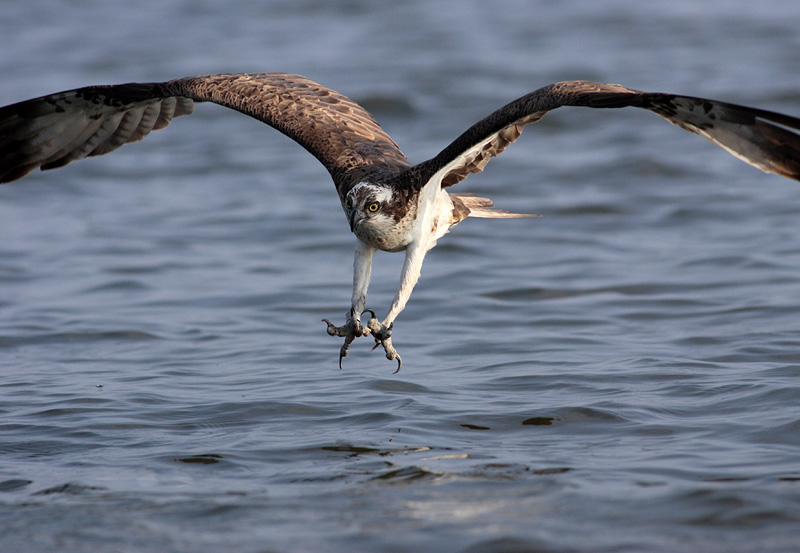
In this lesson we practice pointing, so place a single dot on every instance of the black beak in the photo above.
(351, 216)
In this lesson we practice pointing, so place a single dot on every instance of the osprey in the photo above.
(390, 204)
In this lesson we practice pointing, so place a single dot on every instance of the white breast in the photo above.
(435, 217)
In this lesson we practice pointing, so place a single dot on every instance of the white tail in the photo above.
(482, 207)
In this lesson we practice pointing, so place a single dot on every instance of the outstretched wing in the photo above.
(51, 131)
(767, 140)
(54, 130)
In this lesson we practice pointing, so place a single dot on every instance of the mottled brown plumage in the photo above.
(336, 130)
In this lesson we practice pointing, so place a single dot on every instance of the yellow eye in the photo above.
(373, 207)
(347, 204)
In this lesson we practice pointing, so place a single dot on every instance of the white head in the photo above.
(374, 211)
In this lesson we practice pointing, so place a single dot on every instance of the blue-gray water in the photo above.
(622, 374)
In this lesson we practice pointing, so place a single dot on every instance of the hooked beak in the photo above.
(351, 216)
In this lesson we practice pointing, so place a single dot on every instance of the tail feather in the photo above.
(467, 205)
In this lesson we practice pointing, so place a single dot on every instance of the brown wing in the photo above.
(336, 130)
(767, 140)
(54, 130)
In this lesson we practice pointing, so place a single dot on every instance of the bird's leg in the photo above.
(382, 331)
(352, 329)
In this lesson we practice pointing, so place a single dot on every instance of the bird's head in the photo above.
(369, 209)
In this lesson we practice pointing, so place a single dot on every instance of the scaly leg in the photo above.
(352, 329)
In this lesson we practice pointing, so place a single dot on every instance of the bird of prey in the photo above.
(390, 203)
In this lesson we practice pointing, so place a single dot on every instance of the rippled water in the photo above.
(622, 374)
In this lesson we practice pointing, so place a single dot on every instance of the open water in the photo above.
(622, 374)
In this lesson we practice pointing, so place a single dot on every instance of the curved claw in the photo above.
(391, 353)
(383, 337)
(343, 351)
(353, 328)
(399, 362)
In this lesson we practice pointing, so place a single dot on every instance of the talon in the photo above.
(353, 328)
(331, 327)
(391, 354)
(343, 350)
(383, 337)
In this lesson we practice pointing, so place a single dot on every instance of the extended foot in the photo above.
(351, 330)
(383, 337)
